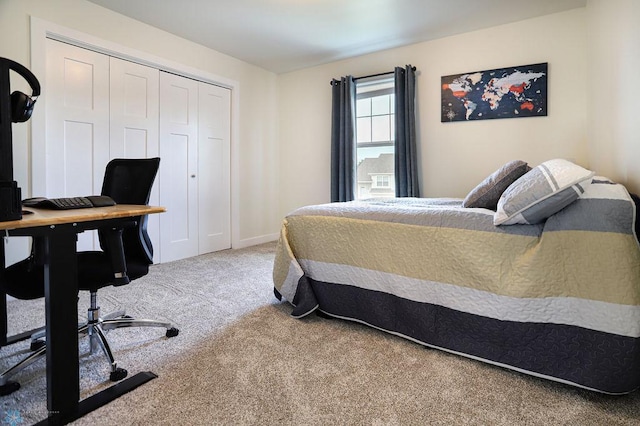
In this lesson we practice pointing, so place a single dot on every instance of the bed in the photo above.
(548, 291)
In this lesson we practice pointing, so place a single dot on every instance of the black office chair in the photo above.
(126, 255)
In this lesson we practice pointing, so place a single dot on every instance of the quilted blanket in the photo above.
(559, 300)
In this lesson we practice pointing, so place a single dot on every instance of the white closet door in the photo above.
(77, 129)
(178, 170)
(134, 109)
(214, 159)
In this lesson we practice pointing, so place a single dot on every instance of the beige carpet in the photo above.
(240, 359)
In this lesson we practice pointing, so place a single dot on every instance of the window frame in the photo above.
(389, 91)
(369, 89)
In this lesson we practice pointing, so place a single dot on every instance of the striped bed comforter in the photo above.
(559, 300)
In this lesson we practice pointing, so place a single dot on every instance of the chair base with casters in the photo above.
(96, 328)
(7, 386)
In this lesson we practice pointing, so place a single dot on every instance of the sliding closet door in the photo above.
(134, 109)
(77, 129)
(99, 107)
(214, 160)
(178, 172)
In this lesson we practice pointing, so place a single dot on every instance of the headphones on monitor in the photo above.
(21, 104)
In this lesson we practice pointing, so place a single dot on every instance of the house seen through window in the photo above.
(375, 132)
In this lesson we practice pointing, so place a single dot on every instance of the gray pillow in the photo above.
(488, 192)
(542, 192)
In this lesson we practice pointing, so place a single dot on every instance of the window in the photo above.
(375, 130)
(381, 181)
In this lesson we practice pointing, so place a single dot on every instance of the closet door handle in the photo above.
(193, 176)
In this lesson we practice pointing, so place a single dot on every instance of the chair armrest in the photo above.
(114, 249)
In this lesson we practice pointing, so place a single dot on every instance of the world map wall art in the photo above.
(501, 93)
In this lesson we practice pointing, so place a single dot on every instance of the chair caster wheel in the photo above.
(37, 344)
(119, 374)
(172, 332)
(9, 388)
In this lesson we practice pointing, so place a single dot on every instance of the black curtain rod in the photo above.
(368, 76)
(373, 75)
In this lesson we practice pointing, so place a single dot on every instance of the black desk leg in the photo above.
(3, 299)
(61, 304)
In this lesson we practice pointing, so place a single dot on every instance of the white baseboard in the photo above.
(256, 240)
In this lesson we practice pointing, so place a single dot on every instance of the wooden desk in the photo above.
(58, 230)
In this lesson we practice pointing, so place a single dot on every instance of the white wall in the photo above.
(285, 119)
(454, 157)
(614, 62)
(258, 144)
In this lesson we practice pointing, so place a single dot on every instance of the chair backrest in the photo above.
(129, 181)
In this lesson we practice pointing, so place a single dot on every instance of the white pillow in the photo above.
(541, 192)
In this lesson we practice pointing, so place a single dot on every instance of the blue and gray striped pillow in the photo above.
(542, 192)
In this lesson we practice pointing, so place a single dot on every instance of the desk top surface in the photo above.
(44, 217)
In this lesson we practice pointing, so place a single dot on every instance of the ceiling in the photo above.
(286, 35)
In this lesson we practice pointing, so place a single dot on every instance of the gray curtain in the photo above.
(343, 144)
(406, 158)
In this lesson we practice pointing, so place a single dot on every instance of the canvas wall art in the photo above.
(512, 92)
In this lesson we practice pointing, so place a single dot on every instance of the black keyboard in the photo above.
(69, 203)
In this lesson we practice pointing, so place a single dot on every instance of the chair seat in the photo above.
(94, 270)
(25, 279)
